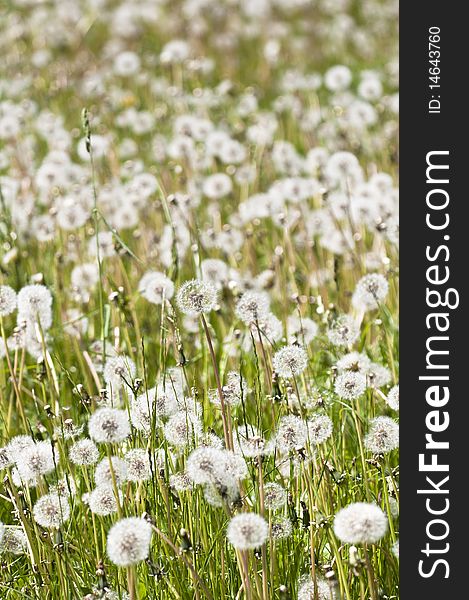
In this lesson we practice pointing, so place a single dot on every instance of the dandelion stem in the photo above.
(225, 418)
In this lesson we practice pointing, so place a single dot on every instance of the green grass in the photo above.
(41, 397)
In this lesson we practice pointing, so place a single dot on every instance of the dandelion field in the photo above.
(199, 362)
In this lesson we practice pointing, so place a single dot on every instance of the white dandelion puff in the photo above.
(292, 434)
(102, 500)
(181, 428)
(204, 465)
(220, 494)
(35, 460)
(281, 528)
(128, 541)
(290, 361)
(51, 511)
(109, 425)
(13, 540)
(370, 291)
(84, 452)
(156, 287)
(253, 307)
(382, 436)
(138, 465)
(392, 399)
(275, 496)
(7, 300)
(196, 297)
(104, 475)
(319, 429)
(118, 371)
(343, 331)
(360, 522)
(324, 590)
(301, 330)
(354, 361)
(350, 385)
(35, 305)
(249, 442)
(247, 531)
(181, 482)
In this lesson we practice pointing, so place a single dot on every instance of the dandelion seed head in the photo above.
(292, 434)
(220, 494)
(301, 331)
(338, 78)
(103, 242)
(320, 429)
(175, 51)
(138, 465)
(291, 465)
(343, 331)
(7, 300)
(17, 445)
(275, 496)
(181, 428)
(253, 307)
(181, 482)
(84, 452)
(217, 186)
(350, 385)
(103, 474)
(234, 466)
(393, 507)
(5, 460)
(84, 279)
(109, 425)
(354, 361)
(142, 410)
(370, 291)
(35, 305)
(203, 464)
(157, 403)
(126, 64)
(106, 594)
(196, 297)
(290, 361)
(212, 440)
(118, 370)
(51, 511)
(128, 541)
(249, 442)
(392, 398)
(166, 398)
(232, 392)
(215, 271)
(247, 531)
(13, 540)
(382, 436)
(102, 500)
(64, 487)
(68, 430)
(379, 375)
(270, 328)
(21, 481)
(324, 591)
(35, 460)
(281, 528)
(360, 523)
(156, 287)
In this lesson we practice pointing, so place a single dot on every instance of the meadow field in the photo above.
(199, 366)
